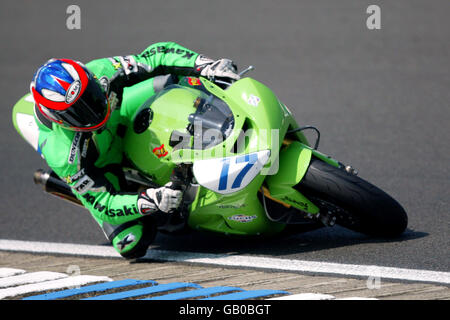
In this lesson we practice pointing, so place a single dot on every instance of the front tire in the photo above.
(356, 204)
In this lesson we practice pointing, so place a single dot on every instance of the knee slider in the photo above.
(131, 239)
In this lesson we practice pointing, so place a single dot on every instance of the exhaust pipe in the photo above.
(55, 186)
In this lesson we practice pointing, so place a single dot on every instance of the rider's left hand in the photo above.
(164, 199)
(222, 68)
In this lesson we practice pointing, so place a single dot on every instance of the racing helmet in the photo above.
(67, 93)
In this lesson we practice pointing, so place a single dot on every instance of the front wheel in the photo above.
(353, 202)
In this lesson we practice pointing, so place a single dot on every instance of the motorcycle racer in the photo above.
(82, 113)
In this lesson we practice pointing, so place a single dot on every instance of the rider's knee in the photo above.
(132, 239)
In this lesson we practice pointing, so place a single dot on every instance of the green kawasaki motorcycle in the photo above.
(243, 162)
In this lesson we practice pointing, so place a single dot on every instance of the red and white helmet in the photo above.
(67, 93)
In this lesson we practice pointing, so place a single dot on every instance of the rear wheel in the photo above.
(352, 202)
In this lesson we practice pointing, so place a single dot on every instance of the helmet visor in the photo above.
(89, 112)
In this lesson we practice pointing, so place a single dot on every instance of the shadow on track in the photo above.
(309, 242)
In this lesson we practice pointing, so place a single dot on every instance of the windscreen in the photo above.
(212, 122)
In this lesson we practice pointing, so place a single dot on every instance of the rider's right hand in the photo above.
(164, 199)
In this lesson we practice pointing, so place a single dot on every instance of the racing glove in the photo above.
(162, 199)
(222, 68)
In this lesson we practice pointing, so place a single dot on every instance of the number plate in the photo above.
(228, 175)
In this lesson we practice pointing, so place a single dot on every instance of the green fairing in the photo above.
(210, 210)
(257, 112)
(294, 161)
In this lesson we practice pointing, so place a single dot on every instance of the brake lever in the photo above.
(250, 68)
(215, 80)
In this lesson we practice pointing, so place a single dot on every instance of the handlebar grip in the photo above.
(176, 185)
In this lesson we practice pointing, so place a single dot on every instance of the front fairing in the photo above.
(230, 168)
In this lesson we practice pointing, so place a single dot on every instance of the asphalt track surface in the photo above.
(380, 98)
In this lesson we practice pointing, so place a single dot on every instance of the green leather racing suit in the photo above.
(91, 163)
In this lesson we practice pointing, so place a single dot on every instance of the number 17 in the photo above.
(250, 159)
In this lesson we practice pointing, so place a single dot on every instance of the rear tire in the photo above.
(356, 204)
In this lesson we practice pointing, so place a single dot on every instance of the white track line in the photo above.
(316, 296)
(8, 272)
(357, 298)
(51, 285)
(305, 296)
(58, 248)
(32, 277)
(236, 261)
